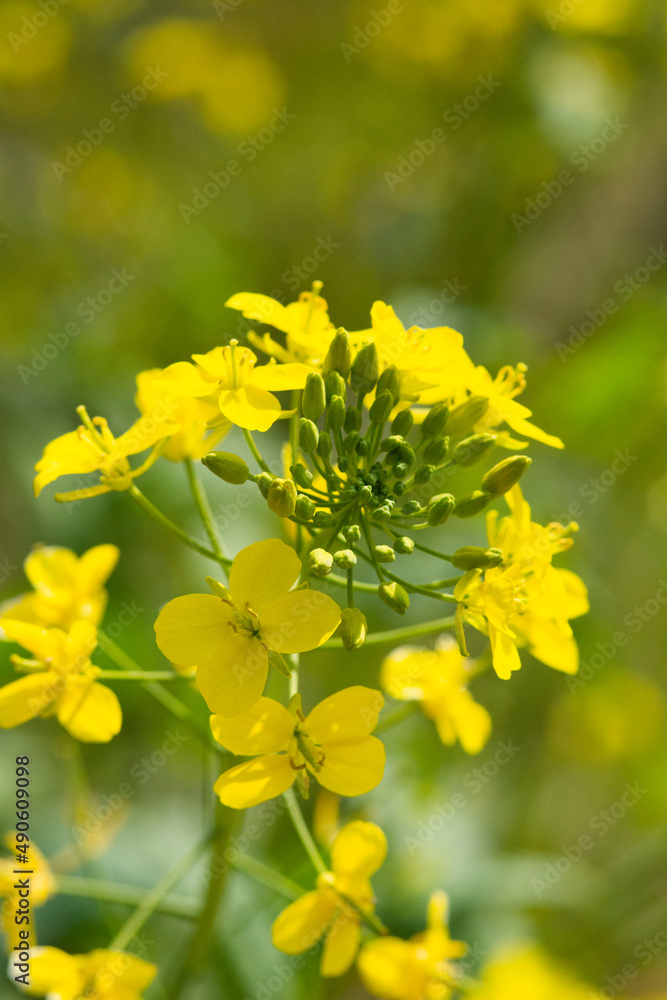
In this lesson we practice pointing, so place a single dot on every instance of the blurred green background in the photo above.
(493, 165)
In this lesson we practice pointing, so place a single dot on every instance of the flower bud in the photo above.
(423, 474)
(304, 508)
(308, 435)
(218, 589)
(473, 448)
(403, 452)
(323, 519)
(313, 399)
(400, 470)
(352, 419)
(343, 463)
(399, 488)
(465, 415)
(382, 513)
(334, 385)
(339, 355)
(472, 504)
(365, 494)
(320, 562)
(435, 420)
(365, 369)
(335, 413)
(436, 451)
(440, 509)
(384, 553)
(411, 507)
(402, 423)
(390, 381)
(362, 447)
(404, 545)
(282, 497)
(351, 442)
(302, 476)
(506, 474)
(353, 628)
(227, 466)
(394, 596)
(264, 480)
(352, 533)
(324, 445)
(476, 557)
(345, 558)
(381, 407)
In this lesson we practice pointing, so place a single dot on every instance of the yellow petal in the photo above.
(388, 969)
(281, 377)
(265, 728)
(184, 379)
(358, 850)
(262, 308)
(505, 654)
(64, 456)
(255, 781)
(353, 766)
(27, 698)
(300, 621)
(465, 719)
(549, 644)
(81, 641)
(42, 642)
(262, 573)
(191, 630)
(50, 568)
(55, 972)
(130, 975)
(340, 946)
(250, 407)
(402, 674)
(351, 712)
(96, 566)
(90, 712)
(304, 921)
(575, 600)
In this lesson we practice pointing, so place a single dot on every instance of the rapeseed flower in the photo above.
(332, 744)
(62, 682)
(306, 323)
(230, 635)
(102, 974)
(334, 909)
(42, 885)
(490, 602)
(526, 973)
(193, 439)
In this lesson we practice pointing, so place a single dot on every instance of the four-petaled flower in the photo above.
(334, 909)
(192, 414)
(332, 743)
(62, 682)
(229, 636)
(489, 603)
(102, 974)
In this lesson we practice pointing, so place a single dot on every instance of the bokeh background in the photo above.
(493, 165)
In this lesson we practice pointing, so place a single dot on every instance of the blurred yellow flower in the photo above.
(61, 682)
(332, 743)
(437, 678)
(35, 45)
(526, 973)
(191, 413)
(242, 390)
(306, 323)
(93, 448)
(229, 636)
(102, 974)
(42, 885)
(66, 586)
(419, 968)
(333, 910)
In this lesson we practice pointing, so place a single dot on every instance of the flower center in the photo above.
(245, 622)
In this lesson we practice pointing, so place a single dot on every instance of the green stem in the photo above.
(204, 511)
(397, 634)
(268, 877)
(341, 581)
(162, 519)
(254, 451)
(350, 588)
(293, 663)
(302, 830)
(124, 895)
(141, 675)
(154, 897)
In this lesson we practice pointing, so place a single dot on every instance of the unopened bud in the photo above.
(302, 476)
(345, 558)
(473, 448)
(435, 420)
(423, 474)
(506, 474)
(352, 419)
(472, 504)
(351, 442)
(334, 385)
(336, 413)
(320, 562)
(411, 507)
(466, 415)
(324, 445)
(352, 533)
(436, 450)
(227, 466)
(384, 553)
(394, 596)
(313, 400)
(304, 508)
(381, 407)
(439, 509)
(365, 369)
(308, 435)
(404, 545)
(390, 381)
(402, 423)
(263, 481)
(339, 355)
(476, 557)
(323, 519)
(403, 452)
(400, 470)
(353, 628)
(282, 497)
(382, 513)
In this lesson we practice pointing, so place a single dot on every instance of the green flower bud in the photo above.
(440, 509)
(362, 447)
(466, 415)
(384, 553)
(353, 628)
(334, 385)
(320, 562)
(382, 513)
(403, 453)
(436, 450)
(352, 419)
(227, 466)
(390, 381)
(282, 497)
(402, 423)
(352, 533)
(381, 407)
(302, 476)
(473, 448)
(423, 474)
(323, 519)
(365, 369)
(313, 399)
(506, 474)
(476, 557)
(308, 435)
(435, 420)
(393, 441)
(365, 493)
(324, 445)
(343, 463)
(339, 355)
(351, 441)
(394, 596)
(336, 413)
(399, 488)
(304, 508)
(411, 507)
(332, 481)
(264, 480)
(472, 504)
(404, 546)
(400, 470)
(345, 558)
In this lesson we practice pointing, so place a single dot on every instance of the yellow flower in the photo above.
(526, 973)
(192, 414)
(42, 885)
(489, 602)
(418, 969)
(305, 322)
(93, 448)
(242, 390)
(332, 743)
(66, 587)
(437, 679)
(229, 636)
(62, 682)
(102, 974)
(332, 910)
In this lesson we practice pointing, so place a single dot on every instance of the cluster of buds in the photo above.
(365, 462)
